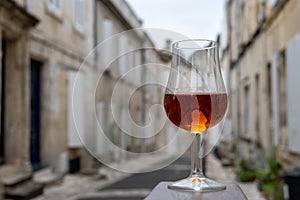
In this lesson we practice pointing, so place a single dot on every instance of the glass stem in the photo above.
(196, 161)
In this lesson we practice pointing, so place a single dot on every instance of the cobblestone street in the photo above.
(124, 186)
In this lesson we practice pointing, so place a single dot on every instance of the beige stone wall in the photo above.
(279, 34)
(61, 47)
(135, 40)
(17, 102)
(253, 64)
(15, 25)
(61, 28)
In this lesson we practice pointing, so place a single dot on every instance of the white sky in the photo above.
(191, 18)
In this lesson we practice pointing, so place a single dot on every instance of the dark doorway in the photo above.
(35, 101)
(2, 93)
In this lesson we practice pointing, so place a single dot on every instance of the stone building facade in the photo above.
(260, 51)
(43, 49)
(43, 44)
(15, 27)
(120, 63)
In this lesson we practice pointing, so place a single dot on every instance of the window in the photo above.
(260, 11)
(271, 3)
(137, 63)
(55, 6)
(130, 65)
(247, 110)
(257, 106)
(79, 14)
(270, 102)
(233, 110)
(281, 73)
(269, 89)
(107, 32)
(123, 57)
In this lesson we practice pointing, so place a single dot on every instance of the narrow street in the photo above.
(138, 186)
(123, 186)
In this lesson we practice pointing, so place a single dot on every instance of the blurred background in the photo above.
(46, 49)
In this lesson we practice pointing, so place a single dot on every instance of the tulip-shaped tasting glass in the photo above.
(195, 100)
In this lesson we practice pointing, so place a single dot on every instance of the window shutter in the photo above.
(275, 106)
(75, 109)
(79, 13)
(293, 95)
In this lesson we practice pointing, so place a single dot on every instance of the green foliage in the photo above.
(260, 173)
(274, 166)
(272, 173)
(246, 176)
(268, 187)
(245, 173)
(224, 141)
(269, 180)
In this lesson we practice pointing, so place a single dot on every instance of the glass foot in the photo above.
(197, 184)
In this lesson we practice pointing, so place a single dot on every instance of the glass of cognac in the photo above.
(195, 100)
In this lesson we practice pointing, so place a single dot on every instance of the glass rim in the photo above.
(210, 44)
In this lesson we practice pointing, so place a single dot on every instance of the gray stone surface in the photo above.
(161, 191)
(123, 186)
(16, 179)
(25, 191)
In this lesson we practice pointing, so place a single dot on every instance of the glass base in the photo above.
(197, 184)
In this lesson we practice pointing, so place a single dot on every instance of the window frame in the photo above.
(79, 15)
(55, 7)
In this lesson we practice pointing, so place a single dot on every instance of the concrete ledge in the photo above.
(161, 191)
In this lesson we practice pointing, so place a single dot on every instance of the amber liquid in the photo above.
(195, 112)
